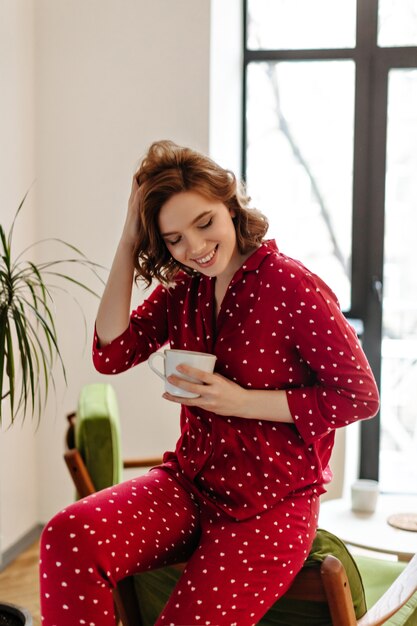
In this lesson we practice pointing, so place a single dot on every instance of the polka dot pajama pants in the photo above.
(235, 570)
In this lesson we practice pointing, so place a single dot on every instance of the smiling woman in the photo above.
(201, 185)
(238, 499)
(205, 236)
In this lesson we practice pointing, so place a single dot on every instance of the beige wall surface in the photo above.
(89, 85)
(111, 78)
(18, 467)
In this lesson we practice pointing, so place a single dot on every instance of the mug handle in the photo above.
(153, 367)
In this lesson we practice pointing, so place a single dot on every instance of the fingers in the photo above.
(135, 184)
(215, 392)
(182, 400)
(186, 385)
(198, 388)
(200, 375)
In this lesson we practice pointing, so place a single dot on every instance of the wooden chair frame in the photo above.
(327, 582)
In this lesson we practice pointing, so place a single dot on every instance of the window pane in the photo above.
(299, 161)
(397, 23)
(292, 24)
(399, 344)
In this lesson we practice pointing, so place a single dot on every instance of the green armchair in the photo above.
(332, 588)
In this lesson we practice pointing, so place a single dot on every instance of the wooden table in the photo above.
(371, 530)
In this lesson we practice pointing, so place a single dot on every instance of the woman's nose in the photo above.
(195, 244)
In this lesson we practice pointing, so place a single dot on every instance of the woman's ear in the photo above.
(232, 213)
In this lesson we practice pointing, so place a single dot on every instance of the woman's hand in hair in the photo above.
(130, 229)
(113, 315)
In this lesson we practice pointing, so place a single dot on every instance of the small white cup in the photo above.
(173, 358)
(364, 495)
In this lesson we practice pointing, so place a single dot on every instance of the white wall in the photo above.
(110, 77)
(18, 473)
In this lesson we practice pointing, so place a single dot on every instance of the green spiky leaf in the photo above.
(29, 345)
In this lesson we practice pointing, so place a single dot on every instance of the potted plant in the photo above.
(29, 345)
(28, 338)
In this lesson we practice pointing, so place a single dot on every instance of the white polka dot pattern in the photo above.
(235, 570)
(279, 327)
(238, 498)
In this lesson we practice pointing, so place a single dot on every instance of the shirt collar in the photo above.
(253, 262)
(255, 259)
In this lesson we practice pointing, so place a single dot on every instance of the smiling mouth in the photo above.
(204, 260)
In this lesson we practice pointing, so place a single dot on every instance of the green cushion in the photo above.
(97, 434)
(154, 588)
(377, 576)
(299, 613)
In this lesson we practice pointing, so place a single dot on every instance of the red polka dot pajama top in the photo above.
(279, 327)
(238, 499)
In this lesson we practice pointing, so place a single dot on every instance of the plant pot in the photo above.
(11, 615)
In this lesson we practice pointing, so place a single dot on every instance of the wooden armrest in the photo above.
(336, 587)
(70, 435)
(79, 473)
(142, 462)
(307, 585)
(394, 598)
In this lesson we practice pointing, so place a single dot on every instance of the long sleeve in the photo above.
(279, 328)
(147, 331)
(345, 390)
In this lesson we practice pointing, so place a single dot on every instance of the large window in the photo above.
(330, 155)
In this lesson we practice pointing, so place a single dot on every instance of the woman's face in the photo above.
(200, 234)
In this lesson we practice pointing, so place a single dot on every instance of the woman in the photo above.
(238, 498)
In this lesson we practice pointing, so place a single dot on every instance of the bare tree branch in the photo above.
(285, 129)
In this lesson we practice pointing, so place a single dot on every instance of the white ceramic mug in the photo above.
(173, 358)
(364, 495)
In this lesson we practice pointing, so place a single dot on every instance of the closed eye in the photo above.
(173, 242)
(207, 224)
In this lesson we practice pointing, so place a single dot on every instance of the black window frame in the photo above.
(372, 66)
